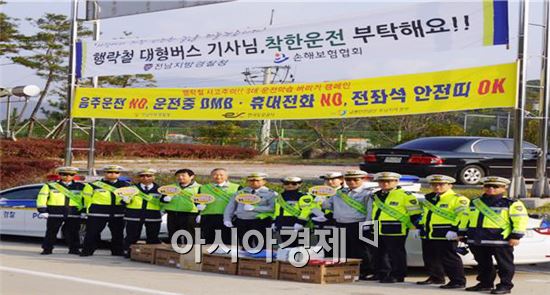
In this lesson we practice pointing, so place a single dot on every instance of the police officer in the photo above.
(350, 206)
(143, 209)
(444, 211)
(292, 209)
(211, 215)
(61, 203)
(104, 208)
(252, 216)
(181, 210)
(495, 226)
(336, 181)
(396, 211)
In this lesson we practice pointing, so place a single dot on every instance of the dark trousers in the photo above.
(70, 228)
(133, 232)
(244, 225)
(94, 227)
(181, 221)
(356, 248)
(440, 259)
(486, 271)
(212, 223)
(391, 257)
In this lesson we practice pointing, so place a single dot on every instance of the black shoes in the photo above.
(373, 278)
(46, 252)
(391, 280)
(478, 288)
(452, 285)
(431, 281)
(501, 290)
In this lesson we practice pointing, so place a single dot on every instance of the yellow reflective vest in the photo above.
(396, 211)
(136, 202)
(442, 213)
(493, 220)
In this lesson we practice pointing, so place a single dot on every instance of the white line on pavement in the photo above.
(86, 281)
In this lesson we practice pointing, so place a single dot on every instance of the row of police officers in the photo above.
(491, 224)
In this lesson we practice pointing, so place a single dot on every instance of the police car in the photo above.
(18, 214)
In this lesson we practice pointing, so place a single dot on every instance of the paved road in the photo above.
(23, 271)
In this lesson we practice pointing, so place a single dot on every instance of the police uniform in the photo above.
(143, 209)
(292, 210)
(350, 207)
(181, 209)
(61, 203)
(328, 214)
(395, 211)
(212, 214)
(104, 208)
(493, 221)
(259, 218)
(443, 214)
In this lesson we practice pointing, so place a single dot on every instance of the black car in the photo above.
(468, 159)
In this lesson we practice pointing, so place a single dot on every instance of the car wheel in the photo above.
(471, 174)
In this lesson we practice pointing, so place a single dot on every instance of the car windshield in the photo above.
(434, 144)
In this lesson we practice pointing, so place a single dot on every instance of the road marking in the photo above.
(86, 281)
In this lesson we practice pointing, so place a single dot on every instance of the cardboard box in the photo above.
(321, 273)
(187, 261)
(218, 264)
(259, 268)
(167, 257)
(145, 252)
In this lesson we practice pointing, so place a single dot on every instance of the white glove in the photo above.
(43, 215)
(201, 207)
(319, 199)
(83, 215)
(317, 212)
(126, 199)
(298, 226)
(416, 234)
(273, 226)
(248, 207)
(451, 235)
(228, 223)
(167, 199)
(198, 219)
(319, 218)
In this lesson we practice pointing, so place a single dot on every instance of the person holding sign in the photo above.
(211, 205)
(495, 226)
(61, 204)
(444, 211)
(177, 202)
(253, 207)
(292, 208)
(334, 180)
(104, 208)
(395, 211)
(142, 209)
(351, 206)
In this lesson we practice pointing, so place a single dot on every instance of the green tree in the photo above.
(222, 132)
(8, 34)
(47, 52)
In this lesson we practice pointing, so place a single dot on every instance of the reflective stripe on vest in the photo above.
(493, 216)
(352, 203)
(393, 213)
(67, 193)
(144, 196)
(440, 212)
(105, 186)
(218, 192)
(287, 207)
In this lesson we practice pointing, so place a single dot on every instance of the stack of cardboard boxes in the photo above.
(320, 271)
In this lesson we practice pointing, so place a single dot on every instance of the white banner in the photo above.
(431, 27)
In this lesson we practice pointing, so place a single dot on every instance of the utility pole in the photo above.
(517, 189)
(265, 131)
(541, 188)
(72, 83)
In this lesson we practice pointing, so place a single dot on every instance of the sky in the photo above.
(249, 14)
